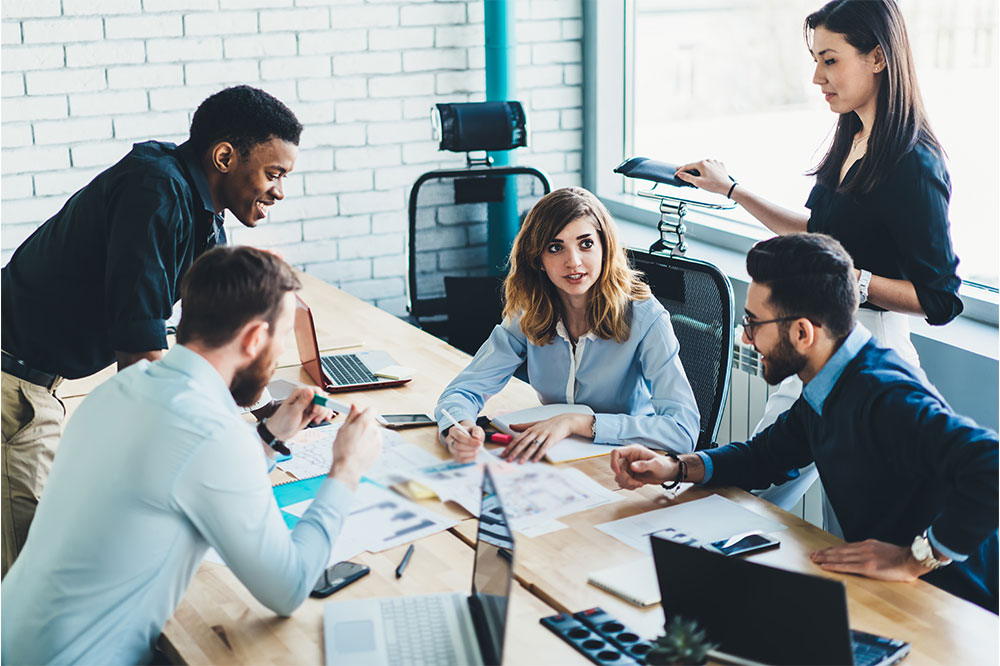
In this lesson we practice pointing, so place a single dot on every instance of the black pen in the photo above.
(406, 560)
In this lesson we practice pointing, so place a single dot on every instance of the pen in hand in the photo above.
(339, 407)
(406, 560)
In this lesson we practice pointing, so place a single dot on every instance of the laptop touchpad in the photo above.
(354, 636)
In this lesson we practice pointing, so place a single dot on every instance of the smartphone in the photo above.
(741, 544)
(338, 576)
(407, 420)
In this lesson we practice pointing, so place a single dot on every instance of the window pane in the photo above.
(733, 80)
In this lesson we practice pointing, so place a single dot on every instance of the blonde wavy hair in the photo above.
(528, 292)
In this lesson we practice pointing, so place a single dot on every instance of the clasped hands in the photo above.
(529, 445)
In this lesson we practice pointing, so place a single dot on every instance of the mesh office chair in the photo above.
(452, 291)
(699, 298)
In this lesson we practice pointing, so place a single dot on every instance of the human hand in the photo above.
(537, 437)
(871, 558)
(713, 178)
(295, 412)
(636, 466)
(464, 445)
(357, 446)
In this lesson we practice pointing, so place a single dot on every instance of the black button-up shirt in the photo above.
(899, 230)
(103, 273)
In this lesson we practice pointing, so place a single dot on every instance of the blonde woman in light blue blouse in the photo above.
(590, 332)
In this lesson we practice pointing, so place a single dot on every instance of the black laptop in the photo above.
(760, 614)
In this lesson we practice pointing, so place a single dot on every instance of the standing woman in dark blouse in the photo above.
(882, 189)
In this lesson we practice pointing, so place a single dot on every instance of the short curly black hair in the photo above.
(245, 117)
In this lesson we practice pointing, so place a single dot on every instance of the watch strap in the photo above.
(271, 439)
(863, 281)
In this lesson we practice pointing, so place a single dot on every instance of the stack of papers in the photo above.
(535, 495)
(379, 519)
(571, 448)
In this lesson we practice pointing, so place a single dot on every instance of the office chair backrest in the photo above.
(699, 298)
(452, 292)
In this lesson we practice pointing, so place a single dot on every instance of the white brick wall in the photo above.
(84, 79)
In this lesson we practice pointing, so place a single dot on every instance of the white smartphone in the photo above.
(407, 420)
(741, 544)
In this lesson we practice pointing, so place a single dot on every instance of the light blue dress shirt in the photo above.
(154, 467)
(637, 388)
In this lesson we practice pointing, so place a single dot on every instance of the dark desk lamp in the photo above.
(672, 208)
(474, 126)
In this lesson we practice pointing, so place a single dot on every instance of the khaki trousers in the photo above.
(32, 421)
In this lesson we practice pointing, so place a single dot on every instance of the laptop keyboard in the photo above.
(417, 630)
(347, 369)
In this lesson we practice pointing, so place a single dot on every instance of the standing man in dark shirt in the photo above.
(96, 282)
(913, 485)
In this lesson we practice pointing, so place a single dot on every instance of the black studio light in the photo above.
(472, 126)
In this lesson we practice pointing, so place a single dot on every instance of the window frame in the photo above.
(606, 105)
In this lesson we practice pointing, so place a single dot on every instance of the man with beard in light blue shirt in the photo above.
(157, 466)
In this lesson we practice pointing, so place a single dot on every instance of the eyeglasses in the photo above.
(750, 324)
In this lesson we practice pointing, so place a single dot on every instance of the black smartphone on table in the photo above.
(338, 576)
(742, 544)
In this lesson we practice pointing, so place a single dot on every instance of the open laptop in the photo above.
(434, 628)
(760, 614)
(339, 372)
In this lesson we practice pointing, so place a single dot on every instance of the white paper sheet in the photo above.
(708, 519)
(379, 519)
(312, 455)
(534, 494)
(571, 448)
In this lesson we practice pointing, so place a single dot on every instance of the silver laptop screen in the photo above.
(494, 570)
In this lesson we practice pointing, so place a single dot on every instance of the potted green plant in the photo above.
(682, 642)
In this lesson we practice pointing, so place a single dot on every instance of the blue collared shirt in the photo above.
(154, 467)
(853, 428)
(637, 388)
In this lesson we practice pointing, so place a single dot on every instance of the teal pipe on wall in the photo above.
(499, 23)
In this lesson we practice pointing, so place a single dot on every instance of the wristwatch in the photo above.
(863, 280)
(270, 439)
(924, 554)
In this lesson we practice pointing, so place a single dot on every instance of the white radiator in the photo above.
(748, 394)
(744, 406)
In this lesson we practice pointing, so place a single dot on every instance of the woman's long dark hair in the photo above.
(900, 120)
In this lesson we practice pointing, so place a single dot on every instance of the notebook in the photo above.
(635, 582)
(571, 448)
(339, 372)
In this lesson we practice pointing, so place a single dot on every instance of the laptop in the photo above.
(434, 628)
(339, 372)
(760, 614)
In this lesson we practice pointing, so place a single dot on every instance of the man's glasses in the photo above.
(750, 324)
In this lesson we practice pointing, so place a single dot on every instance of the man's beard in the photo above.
(782, 362)
(248, 384)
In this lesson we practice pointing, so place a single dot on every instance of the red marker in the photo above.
(501, 438)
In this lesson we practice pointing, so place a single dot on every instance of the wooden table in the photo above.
(941, 628)
(218, 621)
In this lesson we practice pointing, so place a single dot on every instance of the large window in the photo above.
(733, 80)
